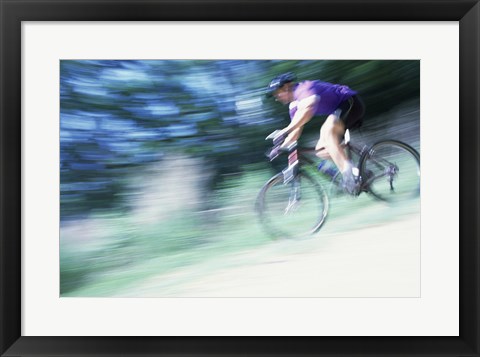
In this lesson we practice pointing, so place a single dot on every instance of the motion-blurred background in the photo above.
(161, 161)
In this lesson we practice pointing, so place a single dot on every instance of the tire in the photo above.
(390, 171)
(282, 220)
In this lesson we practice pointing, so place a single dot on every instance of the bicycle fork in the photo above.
(391, 172)
(291, 177)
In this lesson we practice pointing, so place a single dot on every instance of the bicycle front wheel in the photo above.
(390, 171)
(294, 209)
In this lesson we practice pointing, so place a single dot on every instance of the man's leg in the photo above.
(331, 135)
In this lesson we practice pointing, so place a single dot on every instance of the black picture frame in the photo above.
(13, 12)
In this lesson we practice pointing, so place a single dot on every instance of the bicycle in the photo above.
(389, 170)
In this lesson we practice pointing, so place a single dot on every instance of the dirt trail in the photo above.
(380, 260)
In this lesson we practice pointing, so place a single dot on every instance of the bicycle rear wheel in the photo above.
(390, 171)
(292, 210)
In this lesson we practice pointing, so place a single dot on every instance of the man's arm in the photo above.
(306, 110)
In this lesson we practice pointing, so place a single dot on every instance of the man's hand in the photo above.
(274, 153)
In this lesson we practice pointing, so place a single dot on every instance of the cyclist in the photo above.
(344, 110)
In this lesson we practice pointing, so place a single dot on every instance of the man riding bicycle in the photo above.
(344, 110)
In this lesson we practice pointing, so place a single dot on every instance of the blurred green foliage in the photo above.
(119, 255)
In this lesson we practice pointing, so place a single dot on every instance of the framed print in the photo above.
(251, 178)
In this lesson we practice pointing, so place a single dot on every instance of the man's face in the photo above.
(284, 94)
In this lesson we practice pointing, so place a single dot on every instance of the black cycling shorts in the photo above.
(353, 110)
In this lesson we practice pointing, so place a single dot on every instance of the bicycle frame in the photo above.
(294, 186)
(297, 157)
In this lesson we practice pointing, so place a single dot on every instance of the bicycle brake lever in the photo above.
(273, 135)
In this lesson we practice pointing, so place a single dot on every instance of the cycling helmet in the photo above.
(280, 81)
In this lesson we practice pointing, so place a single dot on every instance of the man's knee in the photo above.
(323, 154)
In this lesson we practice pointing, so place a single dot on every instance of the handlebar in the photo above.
(278, 137)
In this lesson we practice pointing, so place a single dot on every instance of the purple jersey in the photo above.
(330, 96)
